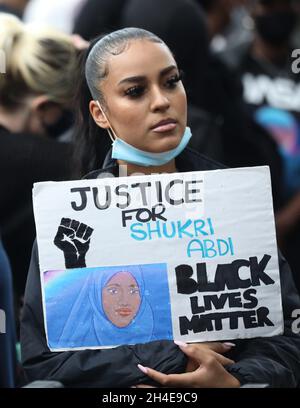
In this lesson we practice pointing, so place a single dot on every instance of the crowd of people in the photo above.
(238, 93)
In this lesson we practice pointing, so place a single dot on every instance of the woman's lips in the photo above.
(165, 128)
(124, 312)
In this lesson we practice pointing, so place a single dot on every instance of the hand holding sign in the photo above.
(73, 238)
(210, 371)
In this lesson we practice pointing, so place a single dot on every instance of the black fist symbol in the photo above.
(73, 238)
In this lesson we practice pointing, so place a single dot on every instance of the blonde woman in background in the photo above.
(36, 93)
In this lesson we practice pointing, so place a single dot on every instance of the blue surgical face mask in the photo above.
(130, 154)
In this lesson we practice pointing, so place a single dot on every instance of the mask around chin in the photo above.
(277, 27)
(130, 154)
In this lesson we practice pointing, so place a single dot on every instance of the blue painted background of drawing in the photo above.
(74, 318)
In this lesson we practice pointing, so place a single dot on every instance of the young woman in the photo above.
(132, 87)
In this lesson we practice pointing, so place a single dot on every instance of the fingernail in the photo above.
(143, 369)
(180, 343)
(227, 344)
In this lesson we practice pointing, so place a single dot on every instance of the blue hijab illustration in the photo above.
(111, 309)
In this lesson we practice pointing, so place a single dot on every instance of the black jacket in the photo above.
(275, 360)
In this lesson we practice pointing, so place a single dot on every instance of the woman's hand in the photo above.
(209, 373)
(213, 349)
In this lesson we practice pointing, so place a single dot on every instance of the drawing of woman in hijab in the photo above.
(111, 309)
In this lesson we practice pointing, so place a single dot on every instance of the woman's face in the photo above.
(145, 98)
(121, 299)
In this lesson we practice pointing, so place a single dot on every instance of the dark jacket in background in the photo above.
(275, 361)
(7, 339)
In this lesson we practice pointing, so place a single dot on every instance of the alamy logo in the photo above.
(2, 322)
(296, 63)
(2, 62)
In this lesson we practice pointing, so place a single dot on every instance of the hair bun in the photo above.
(11, 32)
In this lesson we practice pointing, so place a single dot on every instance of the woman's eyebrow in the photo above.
(165, 71)
(142, 78)
(133, 79)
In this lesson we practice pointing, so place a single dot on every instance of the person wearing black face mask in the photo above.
(275, 26)
(61, 127)
(274, 22)
(272, 96)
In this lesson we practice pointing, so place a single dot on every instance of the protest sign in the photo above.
(187, 256)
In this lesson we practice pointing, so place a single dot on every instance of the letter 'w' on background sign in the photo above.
(185, 256)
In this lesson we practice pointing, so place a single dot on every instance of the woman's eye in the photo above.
(112, 291)
(173, 81)
(135, 91)
(134, 291)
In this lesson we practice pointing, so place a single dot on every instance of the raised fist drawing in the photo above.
(73, 238)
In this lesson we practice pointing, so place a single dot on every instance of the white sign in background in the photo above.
(231, 219)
